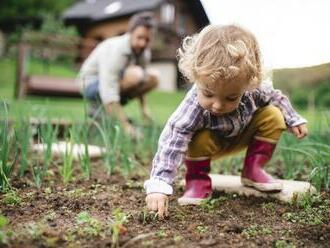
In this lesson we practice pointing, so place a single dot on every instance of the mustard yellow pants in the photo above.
(267, 124)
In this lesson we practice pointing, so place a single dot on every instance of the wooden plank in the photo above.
(292, 190)
(52, 86)
(59, 150)
(49, 46)
(232, 184)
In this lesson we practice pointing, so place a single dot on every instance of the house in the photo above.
(100, 19)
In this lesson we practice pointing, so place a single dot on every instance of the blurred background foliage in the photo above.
(20, 9)
(307, 87)
(19, 16)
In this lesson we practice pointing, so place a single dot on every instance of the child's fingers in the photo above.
(151, 203)
(166, 206)
(299, 131)
(158, 203)
(161, 208)
(303, 130)
(295, 131)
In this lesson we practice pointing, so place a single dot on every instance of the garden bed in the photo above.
(106, 211)
(48, 201)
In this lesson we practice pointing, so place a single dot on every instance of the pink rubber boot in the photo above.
(198, 183)
(258, 154)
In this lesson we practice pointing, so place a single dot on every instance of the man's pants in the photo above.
(91, 92)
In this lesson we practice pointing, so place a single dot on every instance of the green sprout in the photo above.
(11, 198)
(66, 170)
(5, 145)
(117, 226)
(4, 235)
(23, 135)
(90, 226)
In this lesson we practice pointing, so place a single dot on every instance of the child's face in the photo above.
(223, 96)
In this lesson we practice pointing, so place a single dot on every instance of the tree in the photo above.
(31, 8)
(16, 13)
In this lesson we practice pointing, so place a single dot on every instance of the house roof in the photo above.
(85, 12)
(98, 10)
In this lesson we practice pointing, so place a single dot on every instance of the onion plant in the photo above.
(6, 163)
(320, 141)
(146, 147)
(121, 150)
(79, 134)
(110, 133)
(37, 173)
(23, 136)
(48, 135)
(294, 157)
(85, 162)
(66, 169)
(127, 154)
(309, 156)
(320, 175)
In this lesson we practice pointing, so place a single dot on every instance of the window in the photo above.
(167, 13)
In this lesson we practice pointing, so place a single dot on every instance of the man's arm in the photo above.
(110, 62)
(144, 108)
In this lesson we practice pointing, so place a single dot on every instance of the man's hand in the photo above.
(158, 202)
(147, 116)
(131, 131)
(299, 131)
(117, 111)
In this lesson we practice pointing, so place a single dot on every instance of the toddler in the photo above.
(226, 110)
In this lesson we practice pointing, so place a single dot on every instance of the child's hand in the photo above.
(299, 131)
(158, 202)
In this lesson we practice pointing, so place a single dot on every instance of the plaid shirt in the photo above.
(190, 117)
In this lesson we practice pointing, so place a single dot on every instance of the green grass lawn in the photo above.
(161, 104)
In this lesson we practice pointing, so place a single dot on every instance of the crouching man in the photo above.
(115, 71)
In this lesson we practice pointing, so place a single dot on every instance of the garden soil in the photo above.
(48, 217)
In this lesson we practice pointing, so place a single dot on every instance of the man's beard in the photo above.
(139, 51)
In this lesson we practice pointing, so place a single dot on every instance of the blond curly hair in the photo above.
(221, 52)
